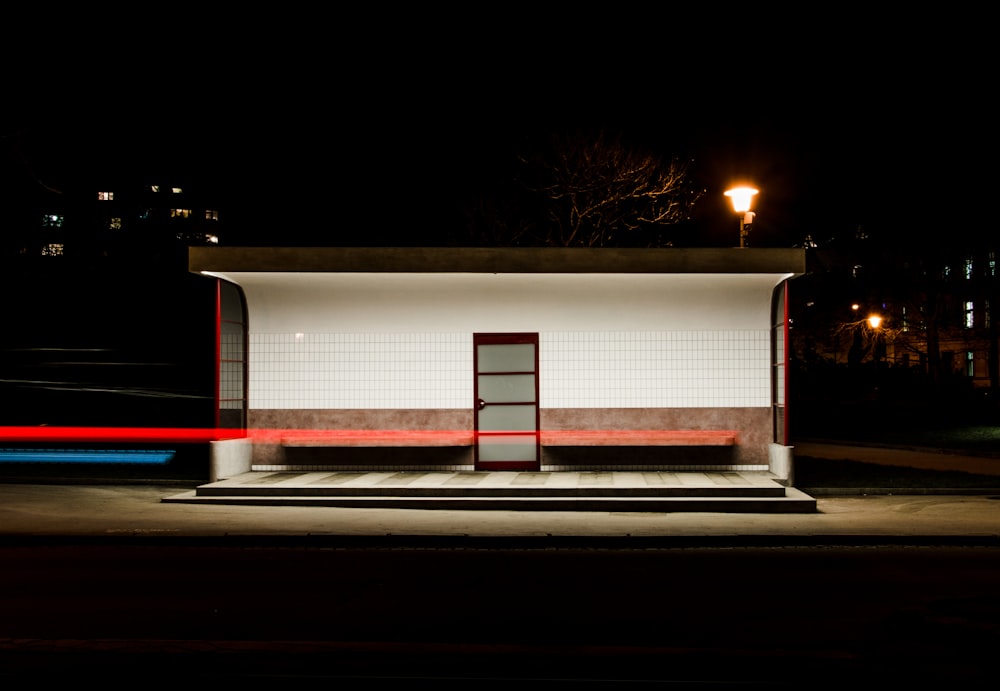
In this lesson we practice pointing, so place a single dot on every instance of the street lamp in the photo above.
(878, 343)
(742, 197)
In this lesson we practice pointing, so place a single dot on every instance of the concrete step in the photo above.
(793, 501)
(736, 492)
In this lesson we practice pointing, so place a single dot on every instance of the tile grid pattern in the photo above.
(577, 370)
(231, 371)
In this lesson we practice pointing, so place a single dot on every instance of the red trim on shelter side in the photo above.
(787, 375)
(218, 351)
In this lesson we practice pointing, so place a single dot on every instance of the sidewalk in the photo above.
(138, 511)
(54, 512)
(922, 458)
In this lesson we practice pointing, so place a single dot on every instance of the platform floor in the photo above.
(727, 491)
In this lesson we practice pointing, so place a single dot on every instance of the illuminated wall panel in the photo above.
(577, 370)
(684, 369)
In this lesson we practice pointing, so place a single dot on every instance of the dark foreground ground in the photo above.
(295, 616)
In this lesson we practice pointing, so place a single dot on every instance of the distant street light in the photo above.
(742, 198)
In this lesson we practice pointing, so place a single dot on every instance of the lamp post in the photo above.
(742, 198)
(875, 322)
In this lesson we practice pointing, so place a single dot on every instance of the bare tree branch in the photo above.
(598, 192)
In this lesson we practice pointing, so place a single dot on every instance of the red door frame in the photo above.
(505, 339)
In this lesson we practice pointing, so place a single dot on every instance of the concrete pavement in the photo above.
(138, 511)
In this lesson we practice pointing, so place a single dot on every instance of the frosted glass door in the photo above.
(507, 402)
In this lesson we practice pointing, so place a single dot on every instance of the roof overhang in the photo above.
(548, 260)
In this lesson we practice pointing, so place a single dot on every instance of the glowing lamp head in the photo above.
(874, 321)
(741, 197)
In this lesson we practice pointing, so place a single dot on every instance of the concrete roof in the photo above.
(496, 260)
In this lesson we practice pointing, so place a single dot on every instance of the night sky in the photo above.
(359, 128)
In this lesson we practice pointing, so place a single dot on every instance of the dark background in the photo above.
(374, 127)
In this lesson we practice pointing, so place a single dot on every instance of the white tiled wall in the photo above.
(343, 370)
(683, 369)
(577, 369)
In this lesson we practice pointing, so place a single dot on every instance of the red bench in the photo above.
(373, 438)
(427, 438)
(638, 437)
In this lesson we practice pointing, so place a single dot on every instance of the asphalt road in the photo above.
(687, 617)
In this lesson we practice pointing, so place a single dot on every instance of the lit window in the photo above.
(52, 221)
(115, 223)
(154, 188)
(198, 238)
(175, 190)
(906, 320)
(970, 368)
(105, 196)
(211, 215)
(969, 319)
(968, 269)
(992, 261)
(53, 249)
(180, 213)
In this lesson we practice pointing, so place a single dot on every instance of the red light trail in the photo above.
(357, 437)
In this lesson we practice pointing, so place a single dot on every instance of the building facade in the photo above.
(97, 219)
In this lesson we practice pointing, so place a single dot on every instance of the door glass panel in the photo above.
(508, 448)
(507, 388)
(513, 357)
(503, 418)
